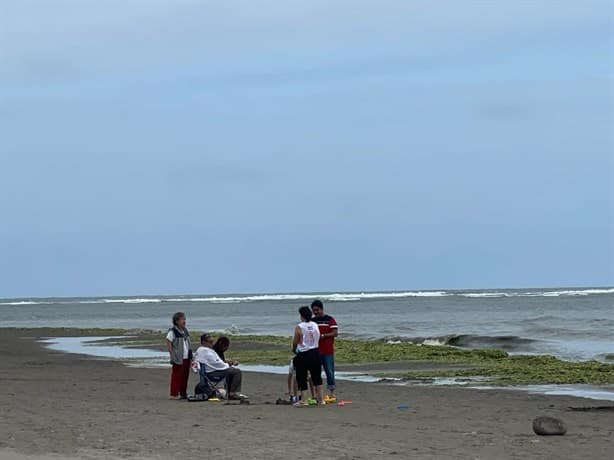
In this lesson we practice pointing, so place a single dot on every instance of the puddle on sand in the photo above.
(605, 393)
(88, 346)
(139, 357)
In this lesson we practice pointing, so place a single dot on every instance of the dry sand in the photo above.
(57, 406)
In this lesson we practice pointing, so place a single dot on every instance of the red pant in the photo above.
(179, 378)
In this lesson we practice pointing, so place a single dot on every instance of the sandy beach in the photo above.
(57, 405)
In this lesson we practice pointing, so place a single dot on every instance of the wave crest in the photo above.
(510, 343)
(329, 297)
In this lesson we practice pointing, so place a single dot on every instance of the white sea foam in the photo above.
(435, 342)
(330, 297)
(558, 293)
(21, 302)
(144, 300)
(478, 295)
(577, 292)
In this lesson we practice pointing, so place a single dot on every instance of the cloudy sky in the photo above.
(163, 147)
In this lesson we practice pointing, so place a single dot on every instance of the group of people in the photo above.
(312, 344)
(210, 355)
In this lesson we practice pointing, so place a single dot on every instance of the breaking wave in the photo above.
(511, 343)
(556, 293)
(333, 297)
(20, 302)
(330, 297)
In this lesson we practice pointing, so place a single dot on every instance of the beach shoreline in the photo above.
(377, 358)
(74, 406)
(571, 324)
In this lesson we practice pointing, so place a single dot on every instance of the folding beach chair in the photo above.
(207, 386)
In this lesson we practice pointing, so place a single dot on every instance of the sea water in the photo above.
(575, 324)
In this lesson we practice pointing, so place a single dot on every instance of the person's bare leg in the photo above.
(320, 394)
(301, 402)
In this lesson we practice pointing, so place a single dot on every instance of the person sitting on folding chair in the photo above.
(207, 388)
(216, 369)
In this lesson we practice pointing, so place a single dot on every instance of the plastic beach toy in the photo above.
(343, 403)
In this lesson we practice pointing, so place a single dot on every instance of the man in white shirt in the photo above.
(216, 367)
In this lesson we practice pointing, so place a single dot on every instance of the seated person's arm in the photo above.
(214, 362)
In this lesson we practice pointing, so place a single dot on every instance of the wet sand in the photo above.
(56, 405)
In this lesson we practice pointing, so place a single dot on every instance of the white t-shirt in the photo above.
(311, 336)
(186, 348)
(210, 359)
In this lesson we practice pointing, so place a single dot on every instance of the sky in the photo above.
(179, 147)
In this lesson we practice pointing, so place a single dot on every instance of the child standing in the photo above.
(180, 351)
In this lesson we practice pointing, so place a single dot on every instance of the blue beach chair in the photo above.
(207, 386)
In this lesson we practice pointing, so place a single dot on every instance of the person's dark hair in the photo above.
(306, 313)
(205, 338)
(317, 303)
(177, 316)
(221, 343)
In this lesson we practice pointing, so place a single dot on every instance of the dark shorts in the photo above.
(308, 362)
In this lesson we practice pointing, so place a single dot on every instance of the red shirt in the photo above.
(326, 324)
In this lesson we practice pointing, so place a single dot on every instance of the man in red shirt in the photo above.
(328, 331)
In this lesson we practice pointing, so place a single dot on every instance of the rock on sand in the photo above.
(549, 426)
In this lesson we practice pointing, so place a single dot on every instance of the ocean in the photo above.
(570, 323)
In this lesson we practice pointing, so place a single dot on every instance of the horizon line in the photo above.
(307, 292)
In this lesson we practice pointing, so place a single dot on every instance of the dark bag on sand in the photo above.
(203, 391)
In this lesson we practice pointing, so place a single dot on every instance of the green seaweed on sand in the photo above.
(362, 351)
(499, 367)
(530, 370)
